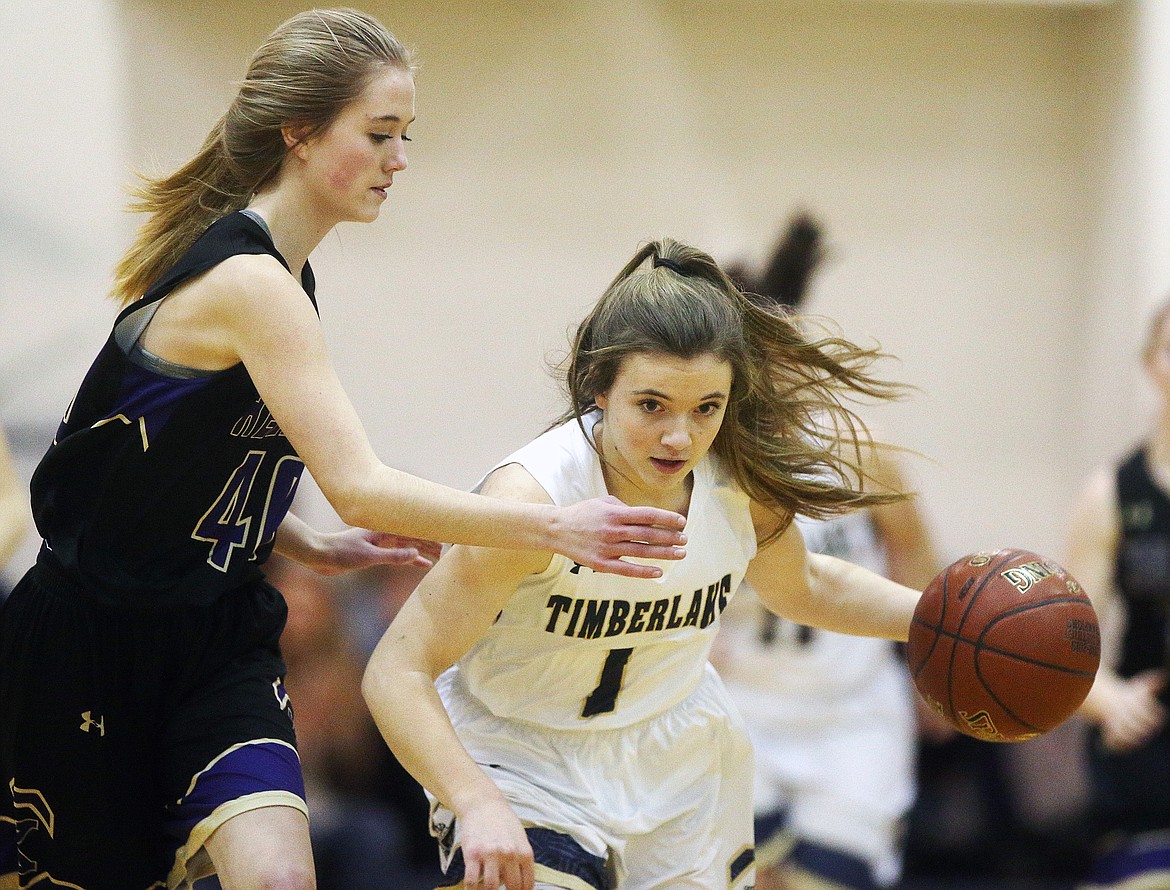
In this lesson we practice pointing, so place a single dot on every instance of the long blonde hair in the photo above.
(304, 74)
(788, 436)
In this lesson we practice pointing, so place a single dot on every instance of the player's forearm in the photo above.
(295, 540)
(411, 717)
(393, 501)
(850, 599)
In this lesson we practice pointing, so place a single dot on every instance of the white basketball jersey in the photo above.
(574, 649)
(797, 668)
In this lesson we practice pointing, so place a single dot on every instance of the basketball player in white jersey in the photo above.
(832, 721)
(577, 736)
(831, 717)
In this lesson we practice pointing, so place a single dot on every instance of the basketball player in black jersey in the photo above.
(1120, 551)
(145, 735)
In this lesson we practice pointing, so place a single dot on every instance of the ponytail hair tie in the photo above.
(669, 263)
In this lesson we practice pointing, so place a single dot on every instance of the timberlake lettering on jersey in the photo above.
(590, 619)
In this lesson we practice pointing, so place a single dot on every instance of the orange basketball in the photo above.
(1004, 645)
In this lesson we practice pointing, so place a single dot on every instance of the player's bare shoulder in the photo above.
(768, 523)
(512, 482)
(238, 287)
(266, 314)
(234, 277)
(254, 280)
(246, 298)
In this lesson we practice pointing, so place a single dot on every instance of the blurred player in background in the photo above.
(1120, 551)
(831, 717)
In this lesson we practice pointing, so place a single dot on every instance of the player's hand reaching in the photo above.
(496, 852)
(597, 533)
(1128, 709)
(359, 548)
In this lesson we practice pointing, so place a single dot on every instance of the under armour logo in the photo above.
(576, 569)
(88, 722)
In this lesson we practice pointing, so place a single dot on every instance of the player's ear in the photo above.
(296, 137)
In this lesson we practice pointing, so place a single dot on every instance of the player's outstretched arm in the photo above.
(823, 591)
(331, 553)
(270, 326)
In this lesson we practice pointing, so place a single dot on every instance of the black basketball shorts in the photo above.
(128, 736)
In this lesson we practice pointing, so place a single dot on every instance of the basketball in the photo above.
(1004, 645)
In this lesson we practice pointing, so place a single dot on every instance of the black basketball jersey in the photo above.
(1143, 566)
(165, 485)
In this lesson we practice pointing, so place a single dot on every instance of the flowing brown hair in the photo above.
(788, 436)
(303, 75)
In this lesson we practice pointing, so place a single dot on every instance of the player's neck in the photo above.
(293, 230)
